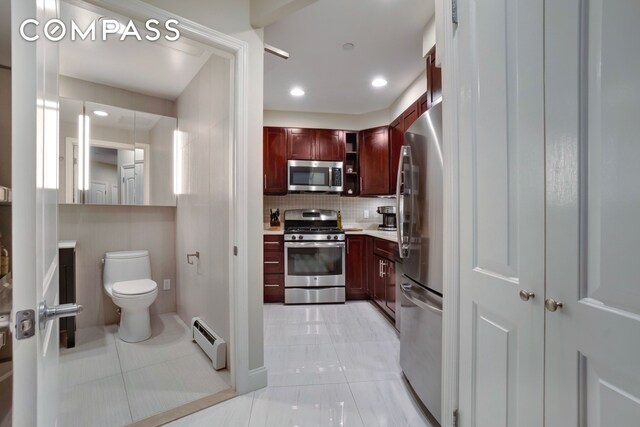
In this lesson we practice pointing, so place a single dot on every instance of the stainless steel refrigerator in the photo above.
(419, 198)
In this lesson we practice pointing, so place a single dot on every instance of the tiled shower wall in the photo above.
(352, 208)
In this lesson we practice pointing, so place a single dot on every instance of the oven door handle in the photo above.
(314, 245)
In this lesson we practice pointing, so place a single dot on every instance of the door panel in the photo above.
(275, 161)
(374, 162)
(593, 205)
(356, 268)
(501, 143)
(329, 145)
(301, 144)
(35, 207)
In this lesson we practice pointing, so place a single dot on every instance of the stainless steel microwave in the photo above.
(309, 175)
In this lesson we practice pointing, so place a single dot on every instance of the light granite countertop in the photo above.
(367, 230)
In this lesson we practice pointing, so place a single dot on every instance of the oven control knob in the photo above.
(328, 237)
(301, 237)
(293, 237)
(335, 237)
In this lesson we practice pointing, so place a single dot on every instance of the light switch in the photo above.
(167, 284)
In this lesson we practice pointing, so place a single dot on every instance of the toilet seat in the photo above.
(134, 287)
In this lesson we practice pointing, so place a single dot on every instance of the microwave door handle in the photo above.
(330, 177)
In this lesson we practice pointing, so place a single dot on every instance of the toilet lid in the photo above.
(135, 287)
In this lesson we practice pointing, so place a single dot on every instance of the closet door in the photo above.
(501, 140)
(592, 56)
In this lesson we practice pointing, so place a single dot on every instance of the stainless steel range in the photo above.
(314, 258)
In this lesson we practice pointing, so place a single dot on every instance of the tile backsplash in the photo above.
(352, 208)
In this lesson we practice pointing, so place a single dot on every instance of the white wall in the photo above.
(100, 229)
(233, 18)
(203, 210)
(326, 120)
(429, 36)
(409, 96)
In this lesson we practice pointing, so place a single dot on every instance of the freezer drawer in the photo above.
(421, 343)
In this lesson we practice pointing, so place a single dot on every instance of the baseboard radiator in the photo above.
(210, 342)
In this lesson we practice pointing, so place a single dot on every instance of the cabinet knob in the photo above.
(552, 305)
(526, 295)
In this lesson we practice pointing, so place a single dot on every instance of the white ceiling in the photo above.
(159, 68)
(388, 42)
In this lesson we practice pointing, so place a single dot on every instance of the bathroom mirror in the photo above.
(115, 156)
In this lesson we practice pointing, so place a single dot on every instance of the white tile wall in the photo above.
(351, 208)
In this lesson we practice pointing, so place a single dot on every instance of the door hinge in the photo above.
(454, 11)
(235, 251)
(455, 418)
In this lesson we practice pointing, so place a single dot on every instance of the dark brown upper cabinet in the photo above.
(374, 161)
(410, 115)
(316, 144)
(274, 160)
(302, 144)
(396, 135)
(434, 78)
(329, 145)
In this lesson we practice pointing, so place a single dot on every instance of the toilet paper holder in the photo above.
(189, 256)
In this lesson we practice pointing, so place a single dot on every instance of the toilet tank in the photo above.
(126, 265)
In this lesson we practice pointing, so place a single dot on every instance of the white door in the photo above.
(35, 210)
(501, 143)
(98, 193)
(592, 77)
(128, 190)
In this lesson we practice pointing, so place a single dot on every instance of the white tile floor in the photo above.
(112, 383)
(331, 365)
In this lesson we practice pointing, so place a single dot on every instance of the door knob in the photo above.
(56, 312)
(552, 305)
(526, 295)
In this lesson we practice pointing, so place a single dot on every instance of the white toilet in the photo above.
(127, 280)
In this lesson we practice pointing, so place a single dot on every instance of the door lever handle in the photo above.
(57, 312)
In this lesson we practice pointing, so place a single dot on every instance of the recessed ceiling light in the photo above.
(348, 46)
(378, 82)
(100, 113)
(296, 91)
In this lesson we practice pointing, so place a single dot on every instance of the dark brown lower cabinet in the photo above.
(67, 287)
(356, 268)
(382, 275)
(273, 269)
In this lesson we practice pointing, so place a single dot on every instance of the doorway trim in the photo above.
(243, 378)
(447, 50)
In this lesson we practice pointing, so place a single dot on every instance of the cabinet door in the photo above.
(301, 144)
(356, 273)
(329, 145)
(374, 162)
(396, 135)
(502, 219)
(379, 282)
(390, 286)
(275, 160)
(410, 115)
(434, 78)
(273, 288)
(371, 267)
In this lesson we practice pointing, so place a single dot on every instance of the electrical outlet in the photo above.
(366, 213)
(167, 284)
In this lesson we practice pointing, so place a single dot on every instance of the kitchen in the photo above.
(334, 214)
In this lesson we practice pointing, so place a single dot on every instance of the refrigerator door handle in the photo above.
(401, 187)
(419, 297)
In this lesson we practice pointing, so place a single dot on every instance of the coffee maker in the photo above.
(388, 218)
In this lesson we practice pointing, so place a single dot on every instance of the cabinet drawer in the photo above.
(273, 288)
(385, 249)
(274, 243)
(274, 263)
